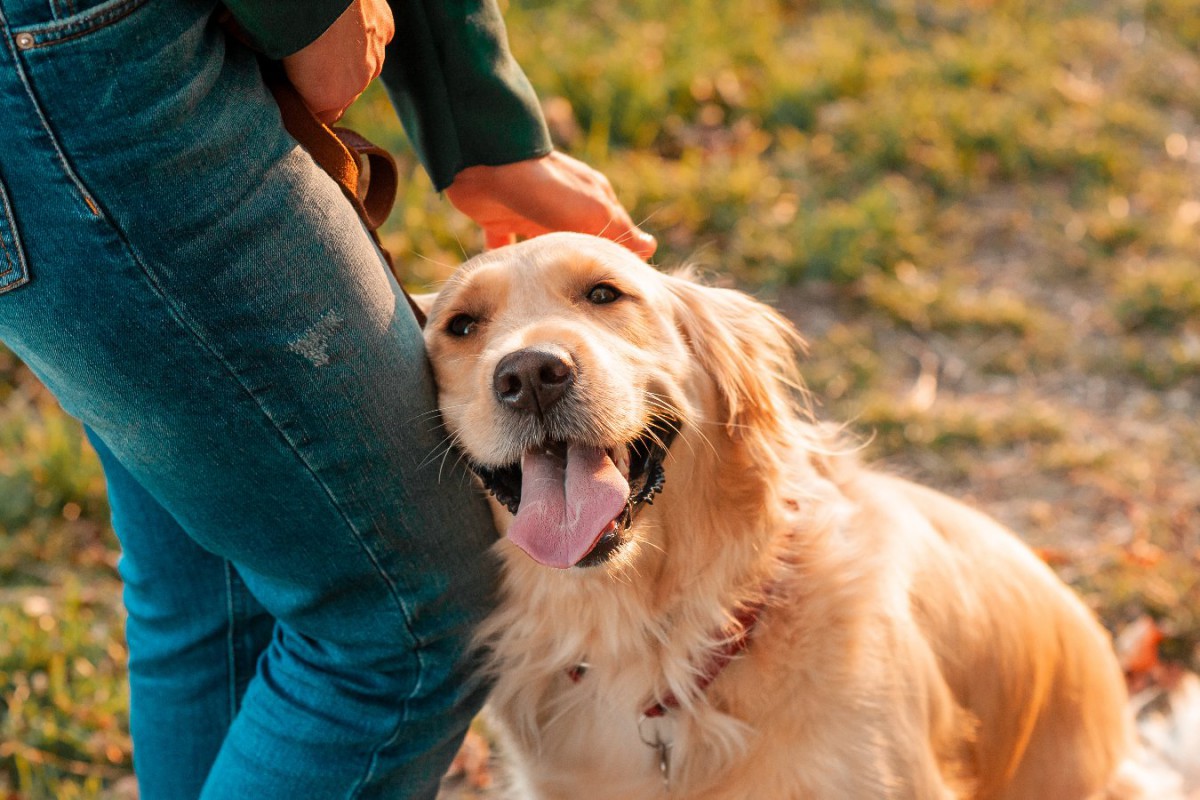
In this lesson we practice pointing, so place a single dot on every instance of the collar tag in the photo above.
(657, 733)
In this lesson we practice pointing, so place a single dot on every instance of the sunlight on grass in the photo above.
(984, 216)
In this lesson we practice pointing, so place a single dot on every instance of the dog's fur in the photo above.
(909, 647)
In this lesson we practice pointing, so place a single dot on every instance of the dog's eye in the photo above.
(602, 294)
(461, 325)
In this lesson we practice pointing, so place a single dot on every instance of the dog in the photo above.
(706, 595)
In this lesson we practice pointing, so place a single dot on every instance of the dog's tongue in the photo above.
(566, 506)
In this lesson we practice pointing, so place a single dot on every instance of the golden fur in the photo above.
(910, 647)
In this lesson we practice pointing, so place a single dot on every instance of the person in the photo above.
(301, 570)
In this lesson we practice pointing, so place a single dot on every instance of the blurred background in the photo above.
(984, 216)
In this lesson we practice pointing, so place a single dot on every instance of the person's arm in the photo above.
(467, 107)
(475, 123)
(279, 29)
(329, 49)
(462, 97)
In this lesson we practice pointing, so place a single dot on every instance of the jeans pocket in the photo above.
(83, 18)
(14, 271)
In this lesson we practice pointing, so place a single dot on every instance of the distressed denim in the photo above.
(302, 571)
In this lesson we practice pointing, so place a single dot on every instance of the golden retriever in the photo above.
(706, 596)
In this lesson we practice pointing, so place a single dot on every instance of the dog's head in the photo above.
(569, 372)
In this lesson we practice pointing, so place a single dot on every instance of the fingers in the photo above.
(641, 243)
(540, 195)
(571, 196)
(493, 239)
(331, 117)
(618, 227)
(333, 70)
(596, 209)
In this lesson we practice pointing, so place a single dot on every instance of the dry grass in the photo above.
(985, 218)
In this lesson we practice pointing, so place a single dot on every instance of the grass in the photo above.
(985, 217)
(64, 724)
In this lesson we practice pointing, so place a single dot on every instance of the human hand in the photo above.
(333, 70)
(540, 195)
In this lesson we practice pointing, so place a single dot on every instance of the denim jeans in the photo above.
(302, 565)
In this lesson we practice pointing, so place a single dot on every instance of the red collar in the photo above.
(732, 646)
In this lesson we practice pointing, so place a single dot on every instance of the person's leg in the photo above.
(194, 633)
(224, 326)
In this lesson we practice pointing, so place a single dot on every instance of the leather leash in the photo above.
(366, 173)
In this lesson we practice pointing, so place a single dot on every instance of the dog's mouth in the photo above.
(574, 503)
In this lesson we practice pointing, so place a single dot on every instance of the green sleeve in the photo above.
(279, 29)
(462, 97)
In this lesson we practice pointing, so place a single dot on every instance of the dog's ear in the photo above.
(748, 349)
(423, 303)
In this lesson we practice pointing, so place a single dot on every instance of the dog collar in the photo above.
(731, 647)
(746, 620)
(654, 716)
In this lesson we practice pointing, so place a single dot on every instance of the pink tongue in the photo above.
(565, 507)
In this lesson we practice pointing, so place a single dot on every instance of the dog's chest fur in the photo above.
(583, 738)
(584, 733)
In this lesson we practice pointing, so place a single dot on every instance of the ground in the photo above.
(984, 216)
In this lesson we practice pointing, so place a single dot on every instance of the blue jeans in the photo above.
(302, 565)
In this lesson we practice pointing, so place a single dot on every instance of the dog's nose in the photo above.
(534, 379)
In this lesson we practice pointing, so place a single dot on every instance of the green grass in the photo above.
(985, 217)
(64, 723)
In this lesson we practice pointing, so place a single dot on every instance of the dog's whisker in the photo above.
(424, 415)
(445, 455)
(431, 260)
(435, 412)
(458, 241)
(436, 457)
(439, 451)
(675, 412)
(431, 425)
(607, 225)
(442, 463)
(629, 235)
(620, 575)
(650, 216)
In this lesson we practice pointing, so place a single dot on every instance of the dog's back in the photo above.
(1017, 649)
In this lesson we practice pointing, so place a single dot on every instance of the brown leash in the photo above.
(366, 173)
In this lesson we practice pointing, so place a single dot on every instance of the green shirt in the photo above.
(461, 96)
